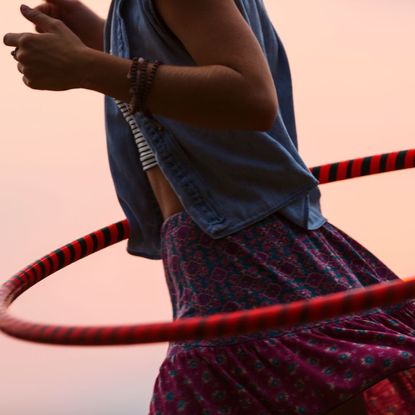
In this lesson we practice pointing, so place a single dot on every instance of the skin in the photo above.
(230, 87)
(81, 20)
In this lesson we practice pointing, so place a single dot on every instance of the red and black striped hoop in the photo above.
(218, 325)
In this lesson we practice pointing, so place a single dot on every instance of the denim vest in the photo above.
(227, 179)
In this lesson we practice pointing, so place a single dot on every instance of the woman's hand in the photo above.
(54, 59)
(79, 18)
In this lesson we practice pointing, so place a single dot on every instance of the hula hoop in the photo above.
(217, 325)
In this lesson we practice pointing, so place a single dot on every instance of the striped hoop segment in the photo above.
(218, 325)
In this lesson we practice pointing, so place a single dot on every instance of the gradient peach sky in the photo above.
(353, 65)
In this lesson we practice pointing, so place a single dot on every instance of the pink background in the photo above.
(352, 64)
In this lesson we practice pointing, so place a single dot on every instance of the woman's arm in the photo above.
(230, 88)
(213, 96)
(84, 22)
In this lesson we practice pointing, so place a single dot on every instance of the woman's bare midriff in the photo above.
(165, 195)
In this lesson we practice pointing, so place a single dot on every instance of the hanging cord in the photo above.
(147, 157)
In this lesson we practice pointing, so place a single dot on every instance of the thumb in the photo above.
(41, 20)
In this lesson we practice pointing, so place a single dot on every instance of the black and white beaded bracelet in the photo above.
(147, 157)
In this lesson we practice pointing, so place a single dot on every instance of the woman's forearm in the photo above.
(213, 96)
(96, 39)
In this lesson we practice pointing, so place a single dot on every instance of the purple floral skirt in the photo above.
(311, 369)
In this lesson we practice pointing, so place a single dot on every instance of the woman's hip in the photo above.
(272, 261)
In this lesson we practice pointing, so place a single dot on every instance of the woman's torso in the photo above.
(225, 180)
(167, 199)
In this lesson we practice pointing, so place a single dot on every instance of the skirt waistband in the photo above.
(182, 214)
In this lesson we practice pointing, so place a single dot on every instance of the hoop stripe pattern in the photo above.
(218, 325)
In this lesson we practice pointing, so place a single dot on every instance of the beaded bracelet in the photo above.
(140, 84)
(150, 80)
(132, 76)
(142, 65)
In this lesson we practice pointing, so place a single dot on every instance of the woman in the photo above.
(224, 199)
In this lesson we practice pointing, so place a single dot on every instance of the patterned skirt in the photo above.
(309, 369)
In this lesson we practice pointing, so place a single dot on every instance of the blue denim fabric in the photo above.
(225, 179)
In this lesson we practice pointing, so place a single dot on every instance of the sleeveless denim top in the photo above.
(225, 179)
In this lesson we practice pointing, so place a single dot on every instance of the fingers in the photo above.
(45, 8)
(26, 81)
(13, 39)
(14, 53)
(39, 29)
(41, 20)
(49, 9)
(60, 2)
